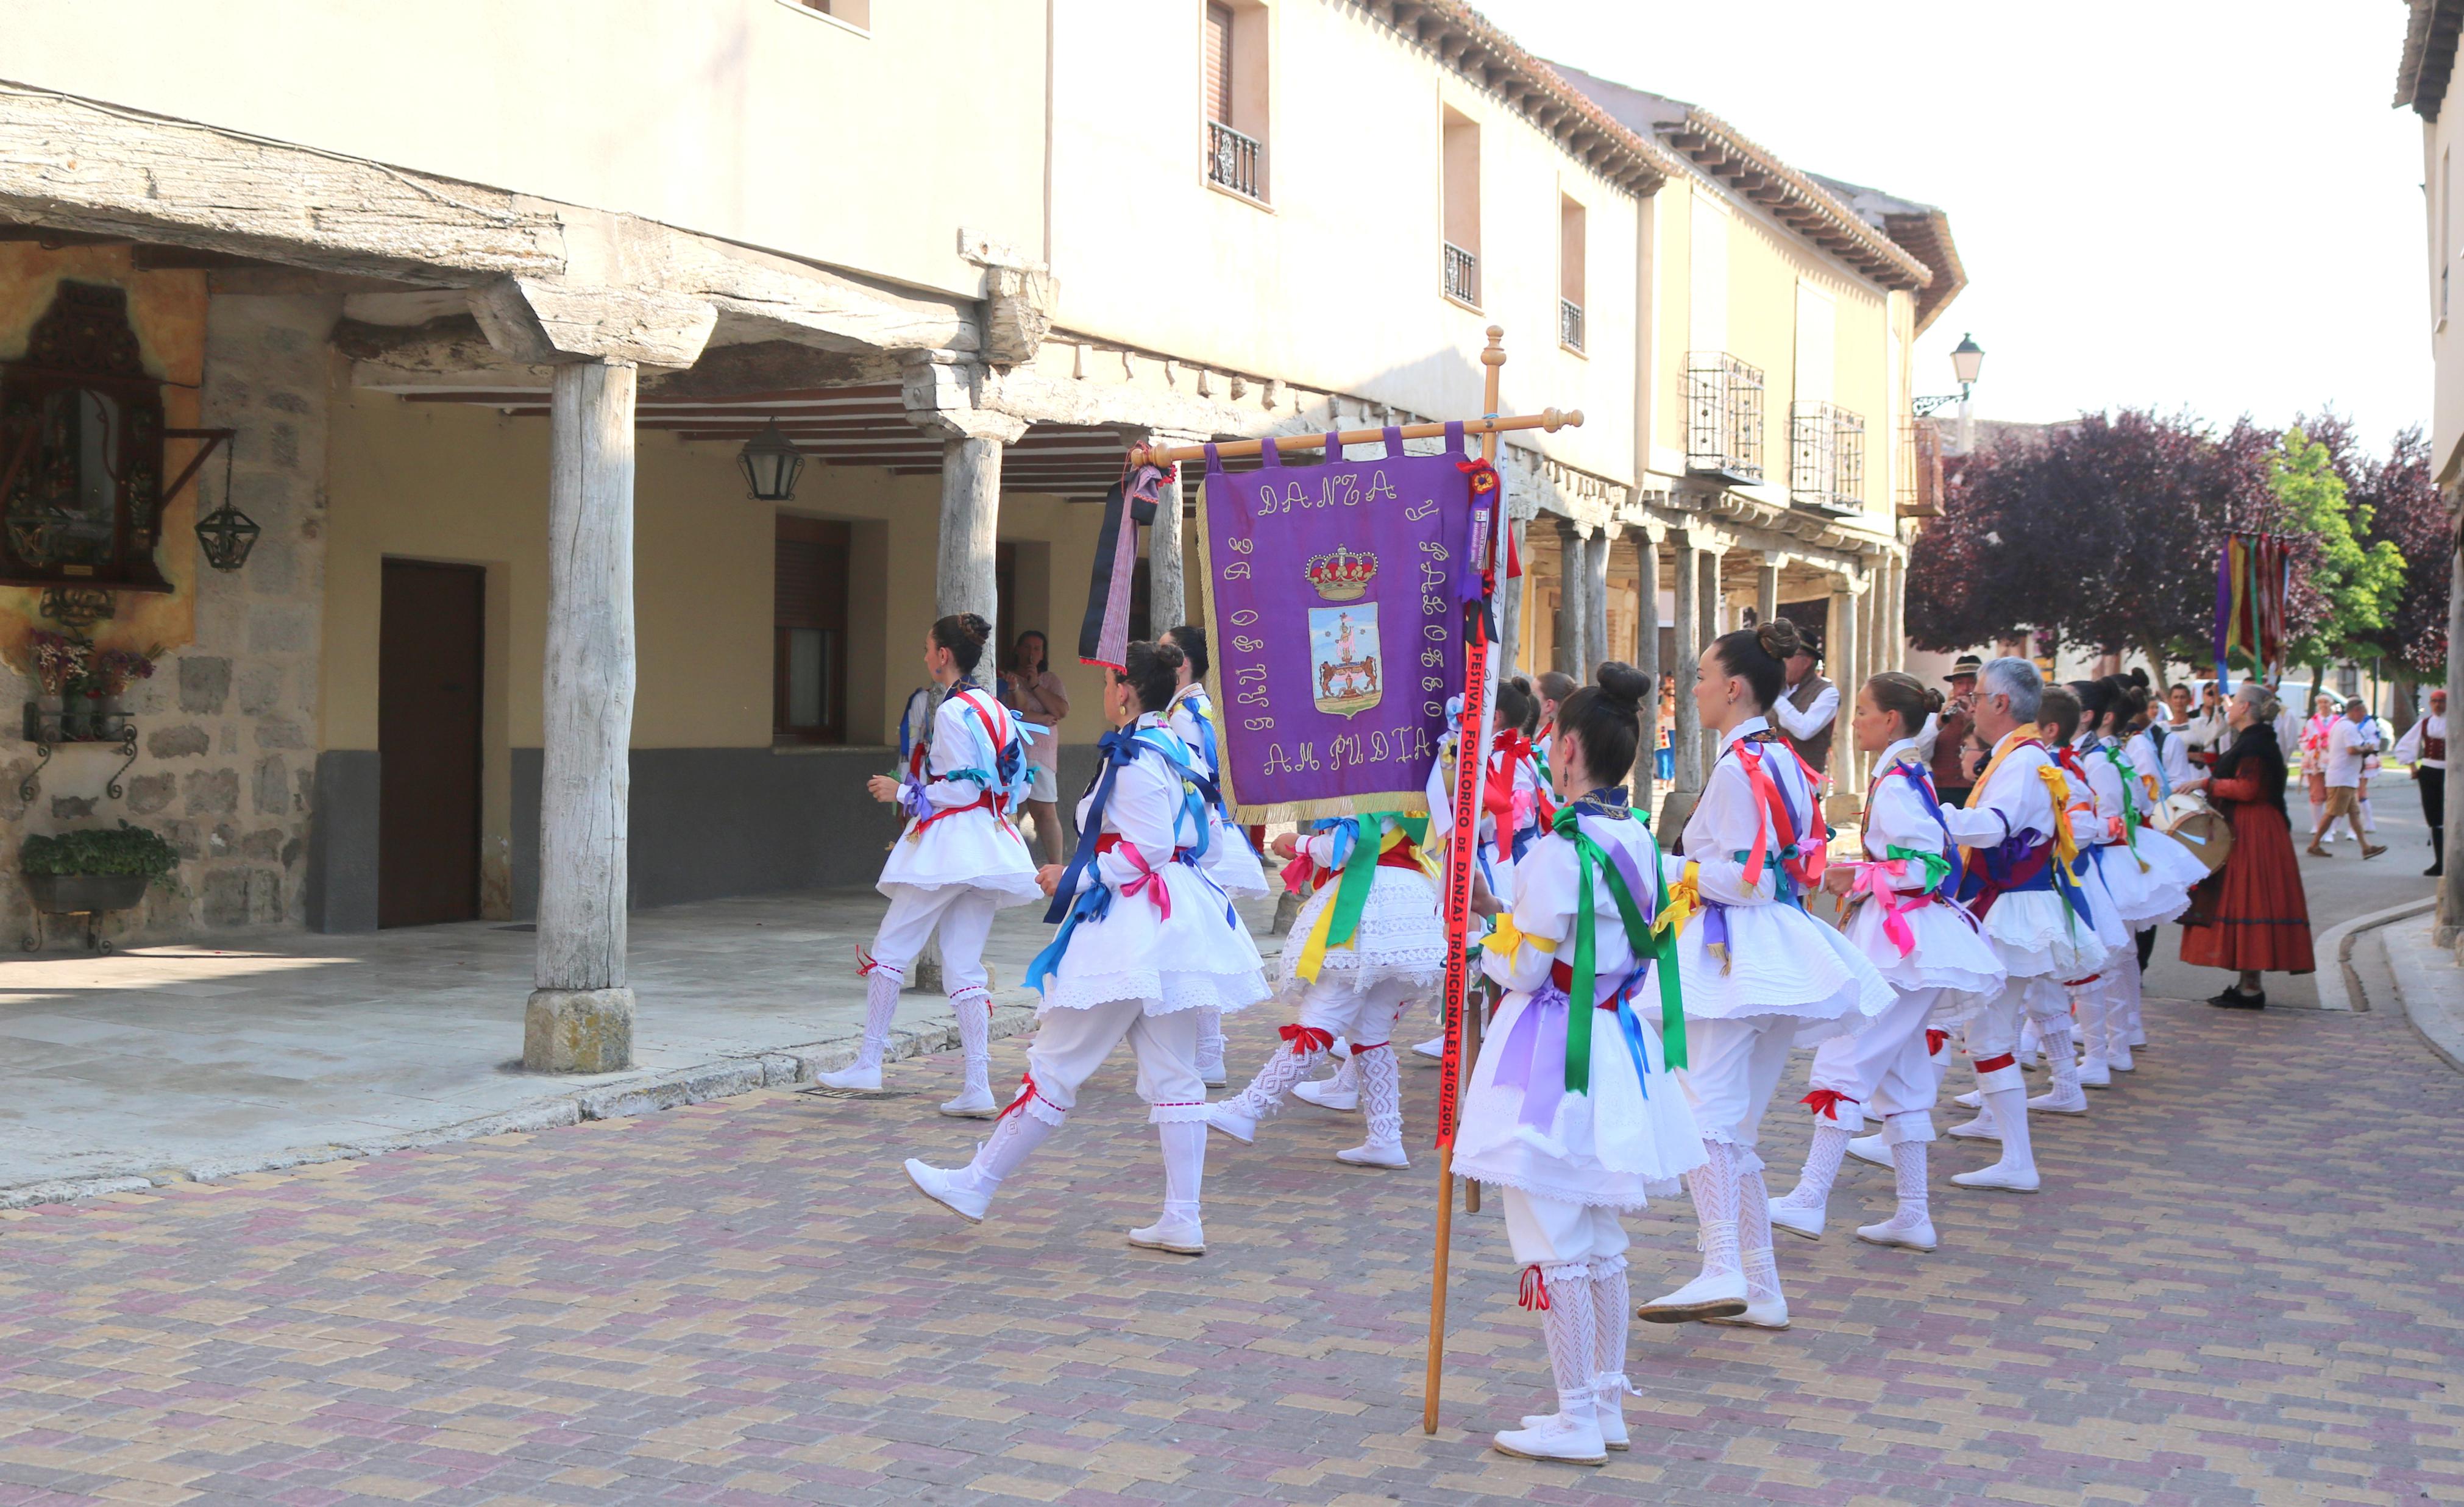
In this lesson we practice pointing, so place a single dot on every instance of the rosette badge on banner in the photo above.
(1336, 593)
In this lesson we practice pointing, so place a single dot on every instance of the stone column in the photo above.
(940, 398)
(1596, 600)
(1685, 738)
(1572, 575)
(1646, 659)
(1709, 597)
(1509, 609)
(1839, 656)
(580, 1018)
(1767, 586)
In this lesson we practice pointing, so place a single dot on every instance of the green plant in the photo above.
(101, 850)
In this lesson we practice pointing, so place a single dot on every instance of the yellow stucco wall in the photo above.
(169, 311)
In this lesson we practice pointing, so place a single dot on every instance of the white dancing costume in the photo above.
(956, 832)
(2141, 896)
(1753, 956)
(2007, 822)
(2161, 771)
(1398, 938)
(1632, 1132)
(1168, 937)
(1946, 948)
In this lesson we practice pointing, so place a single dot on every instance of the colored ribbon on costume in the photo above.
(1306, 1040)
(1150, 881)
(1873, 882)
(1826, 1102)
(1535, 1290)
(1623, 876)
(2130, 819)
(1358, 857)
(1072, 904)
(1026, 1092)
(1934, 1039)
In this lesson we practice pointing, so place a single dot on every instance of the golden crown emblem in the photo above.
(1342, 576)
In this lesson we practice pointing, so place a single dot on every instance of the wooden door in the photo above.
(809, 631)
(430, 637)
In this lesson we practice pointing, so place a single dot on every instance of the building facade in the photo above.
(472, 319)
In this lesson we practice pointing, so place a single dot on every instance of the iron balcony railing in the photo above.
(1570, 323)
(1463, 274)
(1232, 159)
(1724, 416)
(1826, 456)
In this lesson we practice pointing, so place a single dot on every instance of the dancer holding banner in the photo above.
(1903, 917)
(1570, 1112)
(1230, 862)
(1760, 975)
(959, 860)
(1146, 941)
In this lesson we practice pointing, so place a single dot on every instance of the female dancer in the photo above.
(1570, 1113)
(1367, 943)
(2132, 783)
(1514, 805)
(1230, 860)
(959, 860)
(1903, 918)
(1146, 940)
(1760, 975)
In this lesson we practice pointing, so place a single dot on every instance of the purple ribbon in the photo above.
(1540, 1028)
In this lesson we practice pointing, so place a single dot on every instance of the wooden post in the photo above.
(580, 1018)
(1567, 656)
(1709, 596)
(1167, 595)
(1596, 600)
(1686, 736)
(1766, 587)
(1839, 658)
(964, 579)
(1646, 659)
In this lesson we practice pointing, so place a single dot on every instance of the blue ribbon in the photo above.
(1070, 903)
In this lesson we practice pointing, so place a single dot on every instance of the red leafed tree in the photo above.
(2102, 533)
(2404, 508)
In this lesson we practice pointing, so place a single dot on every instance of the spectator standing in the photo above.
(2351, 738)
(2314, 765)
(1664, 758)
(2209, 732)
(1808, 707)
(2424, 746)
(1034, 693)
(1952, 779)
(2251, 915)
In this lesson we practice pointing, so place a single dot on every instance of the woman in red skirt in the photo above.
(2250, 915)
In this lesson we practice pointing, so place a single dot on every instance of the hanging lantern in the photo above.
(771, 463)
(227, 534)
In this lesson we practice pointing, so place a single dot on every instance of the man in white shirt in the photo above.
(2210, 732)
(2424, 746)
(1807, 709)
(2352, 740)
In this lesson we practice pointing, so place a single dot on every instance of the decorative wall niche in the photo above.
(81, 449)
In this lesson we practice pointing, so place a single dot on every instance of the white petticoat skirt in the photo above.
(1950, 953)
(1196, 958)
(973, 847)
(1400, 936)
(1630, 1136)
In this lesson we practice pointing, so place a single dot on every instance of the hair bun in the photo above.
(977, 627)
(1622, 684)
(1933, 699)
(1779, 639)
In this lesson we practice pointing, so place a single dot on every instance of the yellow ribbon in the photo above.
(1685, 901)
(1313, 952)
(2065, 845)
(1504, 936)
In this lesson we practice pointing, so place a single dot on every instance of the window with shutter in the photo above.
(1219, 63)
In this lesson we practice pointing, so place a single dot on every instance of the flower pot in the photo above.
(67, 894)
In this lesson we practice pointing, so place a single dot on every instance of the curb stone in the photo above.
(2430, 987)
(1013, 1013)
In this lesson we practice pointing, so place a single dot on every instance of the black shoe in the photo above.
(2435, 870)
(2232, 998)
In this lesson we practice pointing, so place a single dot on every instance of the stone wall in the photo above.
(226, 749)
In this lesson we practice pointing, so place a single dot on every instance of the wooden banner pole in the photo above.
(1470, 751)
(1487, 428)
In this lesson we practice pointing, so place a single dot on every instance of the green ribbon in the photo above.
(2129, 806)
(1582, 999)
(1360, 870)
(1937, 867)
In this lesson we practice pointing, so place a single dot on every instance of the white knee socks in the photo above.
(1573, 1333)
(1715, 1190)
(1265, 1094)
(1382, 1095)
(1812, 1189)
(881, 986)
(1184, 1167)
(1014, 1139)
(1754, 1238)
(974, 1008)
(1610, 1301)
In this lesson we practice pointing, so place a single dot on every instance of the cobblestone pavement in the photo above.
(2242, 1286)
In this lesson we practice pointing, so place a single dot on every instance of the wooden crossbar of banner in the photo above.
(1550, 419)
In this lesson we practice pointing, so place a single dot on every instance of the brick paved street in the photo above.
(2242, 1286)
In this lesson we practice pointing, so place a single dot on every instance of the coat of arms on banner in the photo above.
(1343, 640)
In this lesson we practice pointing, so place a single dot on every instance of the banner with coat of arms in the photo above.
(1334, 595)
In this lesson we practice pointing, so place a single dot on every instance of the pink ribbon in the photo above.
(1149, 879)
(1872, 881)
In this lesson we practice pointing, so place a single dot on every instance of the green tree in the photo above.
(2356, 587)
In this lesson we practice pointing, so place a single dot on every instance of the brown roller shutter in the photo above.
(1219, 63)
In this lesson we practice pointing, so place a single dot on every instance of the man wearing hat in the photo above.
(1951, 778)
(1807, 709)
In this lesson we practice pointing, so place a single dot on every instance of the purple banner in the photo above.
(1335, 598)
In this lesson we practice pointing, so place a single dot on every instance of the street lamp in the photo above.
(1967, 360)
(771, 463)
